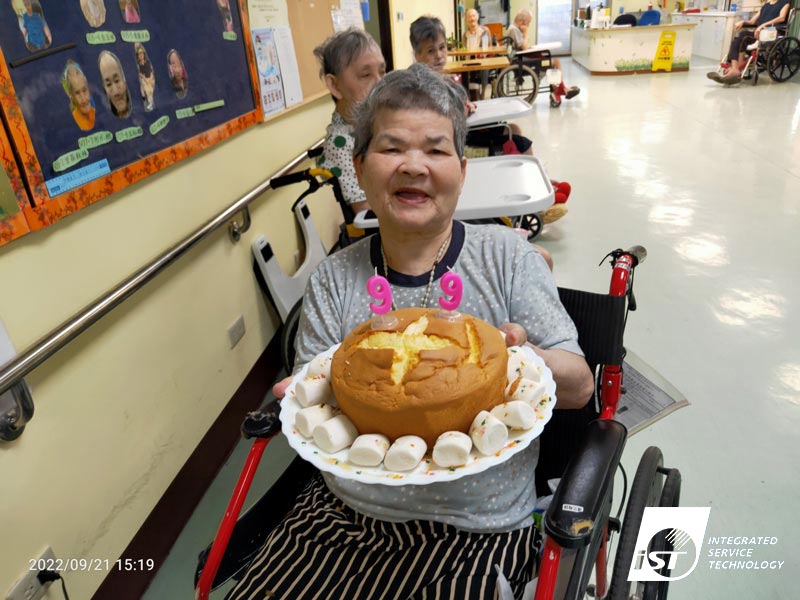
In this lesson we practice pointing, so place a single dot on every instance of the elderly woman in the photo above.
(349, 540)
(351, 64)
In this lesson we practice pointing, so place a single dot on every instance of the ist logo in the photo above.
(669, 538)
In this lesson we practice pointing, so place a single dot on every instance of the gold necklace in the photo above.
(428, 288)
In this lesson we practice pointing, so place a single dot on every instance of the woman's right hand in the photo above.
(737, 26)
(279, 389)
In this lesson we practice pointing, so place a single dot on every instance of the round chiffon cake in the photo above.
(425, 376)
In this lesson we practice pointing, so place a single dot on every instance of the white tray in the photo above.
(496, 186)
(488, 112)
(427, 471)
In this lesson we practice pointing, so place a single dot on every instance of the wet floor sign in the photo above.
(663, 57)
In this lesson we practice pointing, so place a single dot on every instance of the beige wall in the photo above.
(120, 409)
(403, 13)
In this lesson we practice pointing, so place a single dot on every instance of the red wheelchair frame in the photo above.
(589, 474)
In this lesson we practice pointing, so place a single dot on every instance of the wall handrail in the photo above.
(60, 336)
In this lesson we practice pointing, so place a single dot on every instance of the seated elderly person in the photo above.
(772, 12)
(350, 540)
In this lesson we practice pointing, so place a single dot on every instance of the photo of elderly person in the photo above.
(177, 74)
(224, 7)
(76, 87)
(147, 77)
(116, 89)
(33, 26)
(344, 539)
(130, 11)
(94, 11)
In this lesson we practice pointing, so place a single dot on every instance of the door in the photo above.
(554, 19)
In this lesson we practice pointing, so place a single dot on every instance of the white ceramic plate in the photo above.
(427, 471)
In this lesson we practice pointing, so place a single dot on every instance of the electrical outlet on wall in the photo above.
(28, 586)
(236, 331)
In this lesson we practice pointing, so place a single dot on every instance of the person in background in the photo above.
(427, 36)
(119, 98)
(771, 12)
(351, 64)
(94, 11)
(76, 86)
(472, 41)
(518, 32)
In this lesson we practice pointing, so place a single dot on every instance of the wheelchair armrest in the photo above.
(262, 423)
(582, 492)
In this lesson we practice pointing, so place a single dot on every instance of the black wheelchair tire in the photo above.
(645, 491)
(533, 223)
(783, 60)
(670, 498)
(288, 333)
(511, 73)
(755, 78)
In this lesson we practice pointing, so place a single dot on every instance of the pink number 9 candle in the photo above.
(378, 287)
(453, 287)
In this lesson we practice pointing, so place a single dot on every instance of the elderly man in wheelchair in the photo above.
(474, 535)
(765, 48)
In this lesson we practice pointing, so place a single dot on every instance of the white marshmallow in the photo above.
(405, 453)
(335, 434)
(488, 433)
(521, 365)
(368, 450)
(306, 419)
(452, 449)
(313, 390)
(320, 365)
(515, 414)
(526, 390)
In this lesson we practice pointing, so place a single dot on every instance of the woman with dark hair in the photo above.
(147, 77)
(177, 74)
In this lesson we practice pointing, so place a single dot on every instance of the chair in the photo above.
(495, 30)
(650, 17)
(587, 480)
(626, 19)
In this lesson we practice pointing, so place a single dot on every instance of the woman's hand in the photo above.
(279, 389)
(737, 26)
(471, 108)
(515, 334)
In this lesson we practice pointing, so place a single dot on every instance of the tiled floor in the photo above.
(708, 179)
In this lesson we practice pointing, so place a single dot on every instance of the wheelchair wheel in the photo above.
(518, 80)
(755, 79)
(533, 223)
(784, 59)
(645, 491)
(670, 497)
(288, 333)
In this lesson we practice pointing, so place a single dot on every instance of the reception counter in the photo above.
(628, 50)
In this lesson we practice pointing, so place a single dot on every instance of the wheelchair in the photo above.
(779, 57)
(523, 76)
(581, 448)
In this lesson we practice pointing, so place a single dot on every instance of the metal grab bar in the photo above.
(59, 337)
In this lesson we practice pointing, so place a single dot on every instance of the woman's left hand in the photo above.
(515, 334)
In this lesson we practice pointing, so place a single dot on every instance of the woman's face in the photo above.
(411, 173)
(433, 53)
(140, 55)
(357, 79)
(175, 64)
(114, 84)
(79, 91)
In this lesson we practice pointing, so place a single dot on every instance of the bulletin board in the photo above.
(98, 94)
(311, 23)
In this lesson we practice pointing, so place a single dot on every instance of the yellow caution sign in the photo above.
(663, 58)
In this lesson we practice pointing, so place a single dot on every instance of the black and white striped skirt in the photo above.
(325, 550)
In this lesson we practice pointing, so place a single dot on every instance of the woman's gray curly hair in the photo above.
(415, 88)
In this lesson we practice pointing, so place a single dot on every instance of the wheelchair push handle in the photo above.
(284, 180)
(639, 254)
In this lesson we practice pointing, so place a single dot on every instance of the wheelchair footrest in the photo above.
(582, 492)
